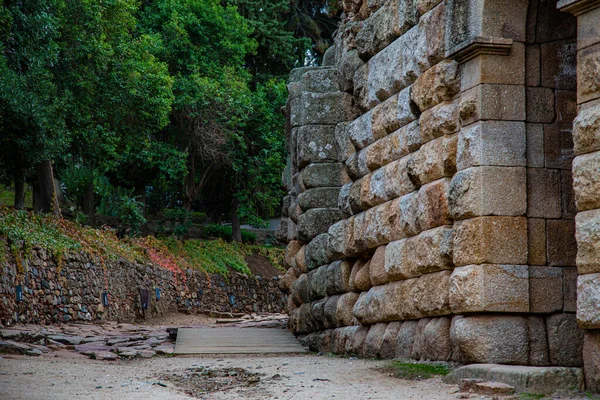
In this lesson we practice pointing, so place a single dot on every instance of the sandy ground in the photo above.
(72, 376)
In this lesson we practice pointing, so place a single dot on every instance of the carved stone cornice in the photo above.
(479, 45)
(577, 7)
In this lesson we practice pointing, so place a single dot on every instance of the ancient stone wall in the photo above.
(73, 292)
(431, 207)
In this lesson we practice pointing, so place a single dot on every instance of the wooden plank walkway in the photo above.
(234, 340)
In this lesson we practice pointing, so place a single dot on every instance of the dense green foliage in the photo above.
(225, 232)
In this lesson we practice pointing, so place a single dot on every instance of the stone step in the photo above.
(488, 388)
(534, 380)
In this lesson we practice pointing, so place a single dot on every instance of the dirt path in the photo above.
(72, 376)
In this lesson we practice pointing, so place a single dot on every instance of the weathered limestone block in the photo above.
(427, 164)
(320, 80)
(361, 87)
(436, 343)
(357, 335)
(588, 82)
(490, 287)
(317, 251)
(320, 197)
(322, 109)
(450, 148)
(433, 207)
(374, 340)
(285, 284)
(379, 275)
(296, 74)
(316, 221)
(545, 289)
(317, 310)
(588, 301)
(356, 266)
(372, 190)
(586, 169)
(538, 341)
(543, 193)
(349, 62)
(385, 117)
(397, 263)
(419, 343)
(397, 180)
(345, 306)
(561, 243)
(324, 175)
(586, 131)
(362, 280)
(500, 143)
(485, 190)
(432, 294)
(393, 68)
(591, 360)
(588, 241)
(300, 291)
(490, 68)
(484, 339)
(344, 200)
(437, 84)
(392, 147)
(565, 340)
(342, 276)
(317, 283)
(358, 244)
(300, 260)
(330, 279)
(390, 340)
(360, 131)
(569, 289)
(409, 212)
(406, 339)
(380, 304)
(431, 250)
(359, 189)
(344, 144)
(330, 312)
(340, 234)
(494, 240)
(493, 102)
(439, 120)
(291, 250)
(316, 144)
(390, 21)
(431, 40)
(425, 5)
(540, 105)
(303, 321)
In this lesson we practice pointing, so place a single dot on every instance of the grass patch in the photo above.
(416, 371)
(531, 396)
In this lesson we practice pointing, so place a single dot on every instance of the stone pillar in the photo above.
(586, 180)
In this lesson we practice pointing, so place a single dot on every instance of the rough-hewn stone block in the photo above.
(320, 80)
(540, 105)
(588, 241)
(485, 190)
(490, 68)
(545, 289)
(588, 82)
(439, 120)
(436, 343)
(317, 252)
(558, 59)
(378, 272)
(438, 84)
(499, 143)
(324, 175)
(321, 197)
(543, 193)
(538, 341)
(362, 280)
(317, 282)
(490, 287)
(360, 131)
(588, 301)
(492, 102)
(494, 240)
(535, 145)
(536, 239)
(431, 40)
(433, 209)
(591, 360)
(560, 239)
(427, 164)
(374, 340)
(322, 109)
(432, 294)
(484, 339)
(345, 305)
(409, 209)
(385, 117)
(586, 169)
(380, 304)
(300, 290)
(558, 145)
(406, 338)
(316, 221)
(565, 340)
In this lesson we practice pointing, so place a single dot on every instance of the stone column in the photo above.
(586, 180)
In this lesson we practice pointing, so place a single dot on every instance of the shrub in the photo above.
(224, 232)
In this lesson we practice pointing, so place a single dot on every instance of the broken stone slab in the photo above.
(92, 347)
(534, 380)
(104, 355)
(165, 349)
(114, 341)
(11, 347)
(489, 388)
(65, 339)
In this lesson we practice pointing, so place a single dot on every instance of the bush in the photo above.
(178, 220)
(224, 232)
(131, 215)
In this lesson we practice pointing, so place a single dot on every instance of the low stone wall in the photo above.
(73, 292)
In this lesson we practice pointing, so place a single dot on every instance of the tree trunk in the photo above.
(88, 203)
(236, 231)
(19, 191)
(37, 205)
(48, 199)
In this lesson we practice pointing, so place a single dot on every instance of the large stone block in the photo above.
(558, 65)
(536, 241)
(569, 289)
(586, 170)
(436, 343)
(540, 105)
(490, 288)
(565, 340)
(499, 143)
(588, 241)
(345, 305)
(360, 131)
(535, 146)
(432, 294)
(322, 108)
(560, 239)
(437, 84)
(321, 197)
(591, 360)
(430, 48)
(374, 340)
(356, 266)
(379, 275)
(494, 240)
(340, 235)
(493, 68)
(397, 180)
(486, 190)
(300, 260)
(385, 118)
(390, 21)
(324, 175)
(320, 80)
(317, 283)
(492, 102)
(484, 339)
(316, 221)
(343, 270)
(439, 120)
(344, 200)
(390, 338)
(538, 341)
(406, 339)
(330, 312)
(427, 164)
(433, 206)
(344, 144)
(586, 131)
(588, 64)
(318, 252)
(380, 304)
(545, 289)
(558, 145)
(409, 212)
(362, 280)
(543, 193)
(300, 290)
(588, 301)
(316, 144)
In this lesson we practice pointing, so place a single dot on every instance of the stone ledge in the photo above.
(577, 7)
(479, 45)
(534, 380)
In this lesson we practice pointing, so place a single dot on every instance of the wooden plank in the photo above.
(235, 340)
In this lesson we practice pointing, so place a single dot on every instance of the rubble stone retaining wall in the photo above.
(431, 210)
(73, 292)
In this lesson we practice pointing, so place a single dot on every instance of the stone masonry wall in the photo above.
(430, 211)
(74, 292)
